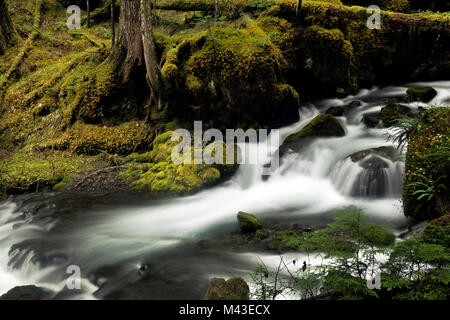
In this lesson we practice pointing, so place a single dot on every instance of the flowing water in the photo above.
(163, 249)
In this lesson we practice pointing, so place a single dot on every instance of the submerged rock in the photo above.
(248, 222)
(231, 289)
(421, 94)
(26, 293)
(392, 112)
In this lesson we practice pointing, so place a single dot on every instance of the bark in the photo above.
(150, 57)
(128, 52)
(298, 9)
(6, 28)
(134, 52)
(88, 13)
(113, 24)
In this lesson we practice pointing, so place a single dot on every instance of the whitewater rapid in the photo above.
(316, 181)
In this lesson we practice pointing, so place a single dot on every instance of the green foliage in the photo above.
(428, 191)
(354, 249)
(426, 165)
(403, 128)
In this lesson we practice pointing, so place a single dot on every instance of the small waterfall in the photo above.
(371, 177)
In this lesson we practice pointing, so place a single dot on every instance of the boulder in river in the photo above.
(392, 112)
(26, 293)
(324, 125)
(371, 119)
(336, 111)
(248, 222)
(420, 94)
(231, 289)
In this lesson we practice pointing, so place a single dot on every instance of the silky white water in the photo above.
(316, 181)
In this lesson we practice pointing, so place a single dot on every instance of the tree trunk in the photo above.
(6, 28)
(134, 52)
(151, 59)
(298, 9)
(88, 13)
(128, 52)
(113, 24)
(217, 8)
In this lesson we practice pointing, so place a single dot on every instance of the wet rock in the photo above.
(248, 222)
(324, 125)
(415, 231)
(420, 94)
(352, 104)
(371, 119)
(374, 163)
(392, 112)
(231, 289)
(387, 152)
(336, 111)
(26, 293)
(261, 234)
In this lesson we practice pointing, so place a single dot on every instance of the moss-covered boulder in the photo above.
(261, 234)
(248, 222)
(425, 191)
(392, 112)
(227, 74)
(420, 94)
(231, 289)
(324, 125)
(156, 173)
(336, 111)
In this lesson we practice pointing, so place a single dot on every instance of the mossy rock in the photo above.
(392, 112)
(90, 139)
(438, 231)
(336, 111)
(154, 172)
(420, 94)
(248, 222)
(261, 234)
(231, 289)
(324, 125)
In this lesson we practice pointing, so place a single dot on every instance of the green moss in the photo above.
(286, 95)
(261, 234)
(393, 112)
(285, 240)
(236, 55)
(91, 139)
(432, 131)
(29, 170)
(422, 94)
(438, 231)
(155, 173)
(232, 289)
(248, 222)
(324, 125)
